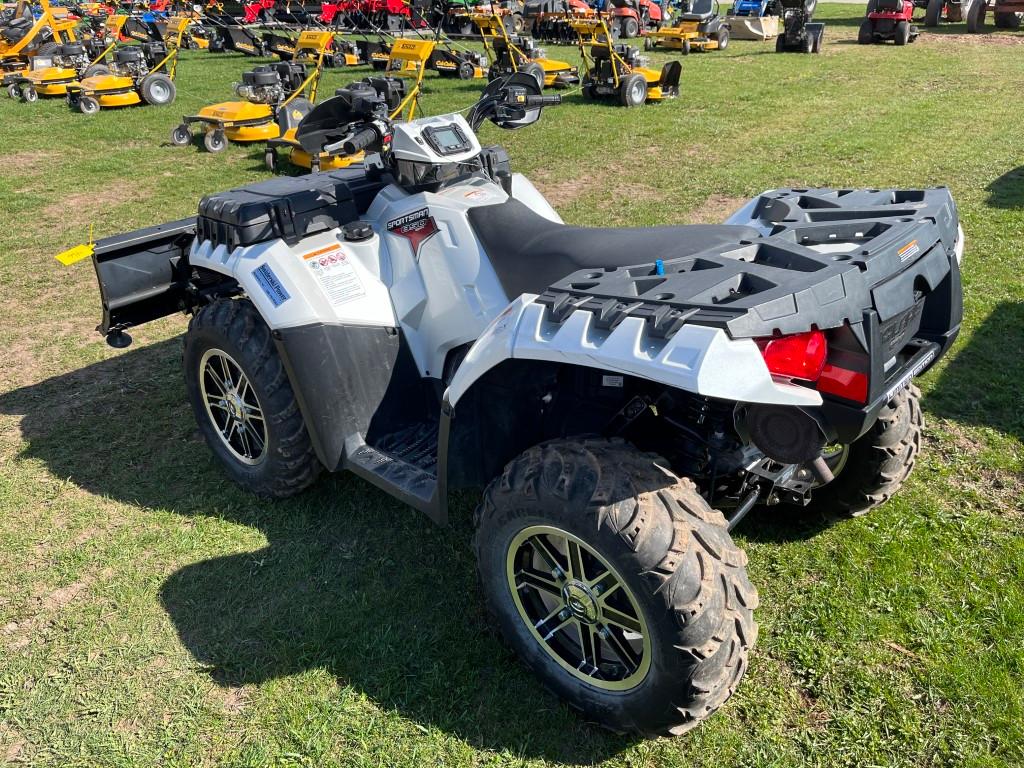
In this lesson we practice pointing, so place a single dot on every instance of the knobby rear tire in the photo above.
(674, 554)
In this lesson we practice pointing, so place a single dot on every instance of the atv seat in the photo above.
(529, 253)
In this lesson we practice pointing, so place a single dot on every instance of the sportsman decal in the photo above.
(416, 227)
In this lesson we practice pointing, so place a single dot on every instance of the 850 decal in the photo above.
(417, 227)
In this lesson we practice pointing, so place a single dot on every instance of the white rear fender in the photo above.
(697, 358)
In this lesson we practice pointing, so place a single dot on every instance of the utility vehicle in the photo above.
(617, 70)
(799, 33)
(427, 321)
(888, 20)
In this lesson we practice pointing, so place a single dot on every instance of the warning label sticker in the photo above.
(336, 274)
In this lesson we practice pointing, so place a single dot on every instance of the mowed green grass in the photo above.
(153, 614)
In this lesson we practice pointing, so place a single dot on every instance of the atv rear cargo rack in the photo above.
(825, 258)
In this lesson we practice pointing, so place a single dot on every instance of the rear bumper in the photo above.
(844, 423)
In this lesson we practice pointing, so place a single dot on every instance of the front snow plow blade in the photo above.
(753, 27)
(143, 276)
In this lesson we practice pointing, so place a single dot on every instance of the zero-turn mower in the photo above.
(699, 27)
(799, 33)
(617, 70)
(69, 64)
(273, 99)
(140, 74)
(888, 20)
(407, 62)
(23, 35)
(509, 54)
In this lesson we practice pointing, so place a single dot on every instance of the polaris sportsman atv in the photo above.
(426, 320)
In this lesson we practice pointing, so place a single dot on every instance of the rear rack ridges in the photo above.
(821, 255)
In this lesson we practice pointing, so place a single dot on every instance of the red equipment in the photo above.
(888, 20)
(257, 10)
(630, 18)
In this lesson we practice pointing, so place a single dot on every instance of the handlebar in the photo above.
(361, 140)
(543, 101)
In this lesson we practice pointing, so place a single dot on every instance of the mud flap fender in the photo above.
(697, 358)
(494, 346)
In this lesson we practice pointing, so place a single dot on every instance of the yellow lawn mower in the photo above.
(273, 99)
(617, 70)
(699, 27)
(140, 74)
(407, 63)
(23, 36)
(509, 54)
(72, 61)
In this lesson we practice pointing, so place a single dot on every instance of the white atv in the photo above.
(426, 320)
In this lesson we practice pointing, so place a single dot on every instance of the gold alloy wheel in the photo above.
(578, 608)
(232, 406)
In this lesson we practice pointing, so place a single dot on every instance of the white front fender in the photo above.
(697, 358)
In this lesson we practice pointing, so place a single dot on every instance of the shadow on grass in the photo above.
(981, 385)
(1008, 190)
(350, 581)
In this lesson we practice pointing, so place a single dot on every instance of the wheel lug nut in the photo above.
(564, 614)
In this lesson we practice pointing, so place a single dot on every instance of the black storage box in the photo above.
(286, 208)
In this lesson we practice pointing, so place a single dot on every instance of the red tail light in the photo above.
(842, 382)
(800, 356)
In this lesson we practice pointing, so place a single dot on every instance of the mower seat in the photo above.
(889, 5)
(529, 252)
(700, 11)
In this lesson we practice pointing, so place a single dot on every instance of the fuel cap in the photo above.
(355, 231)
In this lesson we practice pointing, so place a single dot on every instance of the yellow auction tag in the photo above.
(76, 254)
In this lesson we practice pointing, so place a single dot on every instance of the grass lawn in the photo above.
(153, 614)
